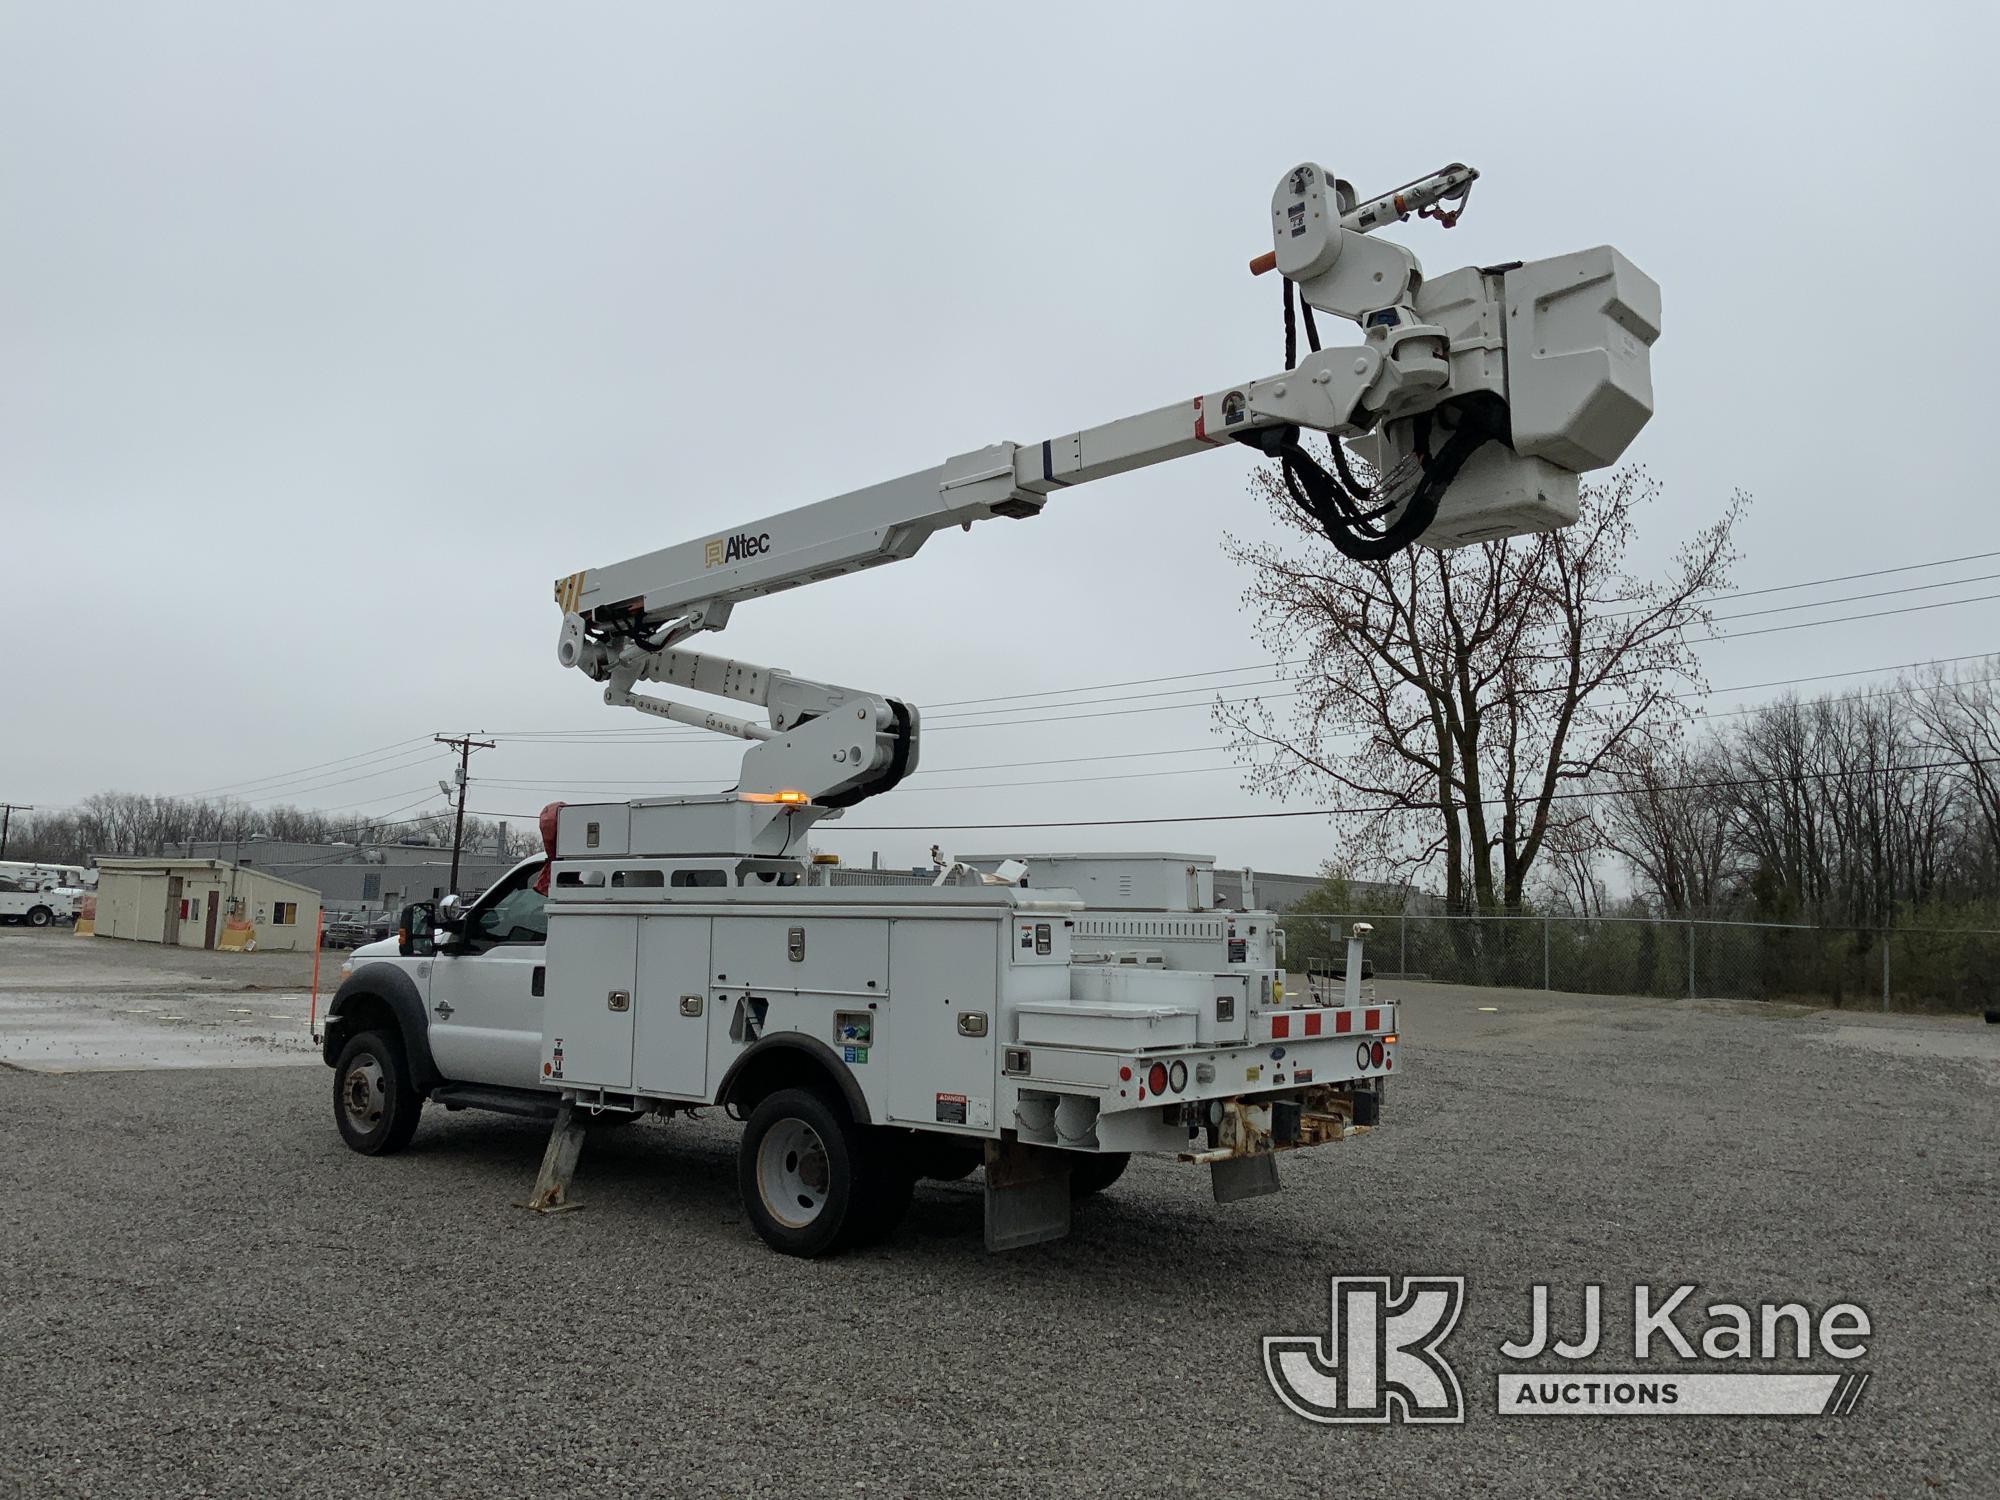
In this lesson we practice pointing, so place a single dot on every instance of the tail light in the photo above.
(1177, 1077)
(1375, 1054)
(1156, 1078)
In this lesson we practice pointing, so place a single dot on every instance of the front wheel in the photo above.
(374, 1102)
(40, 917)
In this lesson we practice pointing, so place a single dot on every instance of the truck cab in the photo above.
(452, 1004)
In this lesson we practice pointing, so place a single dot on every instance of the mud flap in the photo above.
(1027, 1195)
(1244, 1177)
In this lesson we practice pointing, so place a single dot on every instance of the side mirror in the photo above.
(451, 912)
(416, 930)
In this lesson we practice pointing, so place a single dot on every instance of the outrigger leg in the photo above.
(559, 1161)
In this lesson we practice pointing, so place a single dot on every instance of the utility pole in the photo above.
(7, 811)
(465, 745)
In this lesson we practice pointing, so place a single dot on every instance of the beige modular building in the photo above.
(204, 903)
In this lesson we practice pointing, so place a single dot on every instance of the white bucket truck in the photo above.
(1047, 1030)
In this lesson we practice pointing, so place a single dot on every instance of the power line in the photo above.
(519, 784)
(643, 736)
(1877, 614)
(992, 786)
(525, 785)
(1582, 794)
(286, 794)
(298, 782)
(643, 785)
(1813, 583)
(1915, 588)
(1287, 662)
(255, 781)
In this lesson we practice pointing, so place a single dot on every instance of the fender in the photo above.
(394, 988)
(807, 1046)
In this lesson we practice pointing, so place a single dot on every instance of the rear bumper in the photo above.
(1238, 1100)
(1315, 1116)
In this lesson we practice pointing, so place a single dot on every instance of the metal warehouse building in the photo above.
(374, 877)
(204, 903)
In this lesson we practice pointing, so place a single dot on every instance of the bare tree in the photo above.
(1960, 714)
(1456, 699)
(1572, 880)
(1664, 817)
(1846, 809)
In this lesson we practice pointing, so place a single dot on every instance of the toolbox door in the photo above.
(944, 976)
(670, 1044)
(588, 1025)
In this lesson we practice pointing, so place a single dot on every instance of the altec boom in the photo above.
(1047, 1015)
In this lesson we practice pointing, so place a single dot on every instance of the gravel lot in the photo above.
(206, 1294)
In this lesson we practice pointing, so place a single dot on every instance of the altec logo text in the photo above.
(1382, 1360)
(738, 548)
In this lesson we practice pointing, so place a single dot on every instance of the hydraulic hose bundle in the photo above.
(1354, 516)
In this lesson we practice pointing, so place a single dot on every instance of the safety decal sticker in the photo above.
(951, 1109)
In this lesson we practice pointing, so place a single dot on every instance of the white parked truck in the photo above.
(37, 900)
(1049, 1016)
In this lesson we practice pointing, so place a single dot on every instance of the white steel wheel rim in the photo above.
(364, 1092)
(794, 1174)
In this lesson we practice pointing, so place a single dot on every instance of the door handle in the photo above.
(443, 1008)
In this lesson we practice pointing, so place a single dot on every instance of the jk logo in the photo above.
(1380, 1361)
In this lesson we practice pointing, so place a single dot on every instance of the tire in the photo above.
(375, 1105)
(1095, 1173)
(888, 1182)
(41, 916)
(811, 1181)
(941, 1159)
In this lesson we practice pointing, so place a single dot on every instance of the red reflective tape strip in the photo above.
(1343, 1022)
(1374, 1021)
(1281, 1026)
(1312, 1023)
(1200, 422)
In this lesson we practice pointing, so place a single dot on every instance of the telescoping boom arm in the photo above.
(1478, 398)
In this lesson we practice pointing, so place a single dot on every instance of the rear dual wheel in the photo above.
(813, 1181)
(1096, 1172)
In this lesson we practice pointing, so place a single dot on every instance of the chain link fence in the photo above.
(1933, 968)
(1936, 968)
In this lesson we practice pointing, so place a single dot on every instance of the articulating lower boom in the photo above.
(1479, 396)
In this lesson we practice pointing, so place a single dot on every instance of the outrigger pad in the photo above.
(1027, 1195)
(1244, 1177)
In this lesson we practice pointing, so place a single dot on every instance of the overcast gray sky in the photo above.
(331, 334)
